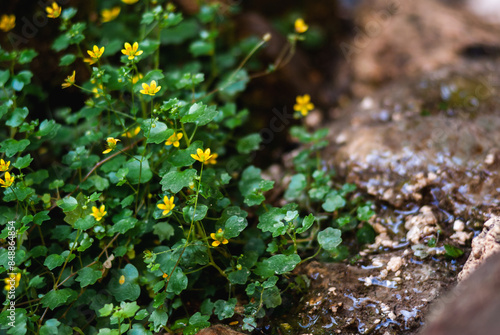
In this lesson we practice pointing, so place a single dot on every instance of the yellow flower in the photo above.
(8, 180)
(165, 275)
(202, 156)
(136, 78)
(94, 54)
(7, 22)
(12, 279)
(110, 14)
(98, 90)
(54, 11)
(129, 2)
(213, 159)
(131, 50)
(4, 166)
(301, 26)
(168, 205)
(218, 238)
(150, 89)
(98, 214)
(174, 139)
(111, 144)
(304, 104)
(69, 81)
(133, 133)
(122, 280)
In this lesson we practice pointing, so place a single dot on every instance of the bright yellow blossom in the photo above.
(7, 22)
(8, 180)
(98, 214)
(213, 159)
(132, 133)
(174, 139)
(165, 275)
(150, 89)
(94, 54)
(129, 2)
(110, 14)
(218, 238)
(122, 280)
(167, 206)
(4, 166)
(98, 90)
(300, 26)
(69, 81)
(131, 50)
(201, 156)
(111, 144)
(12, 281)
(137, 77)
(304, 104)
(54, 11)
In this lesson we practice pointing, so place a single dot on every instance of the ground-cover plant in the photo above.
(149, 215)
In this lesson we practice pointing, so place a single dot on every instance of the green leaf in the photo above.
(12, 147)
(123, 225)
(129, 309)
(333, 202)
(366, 234)
(183, 157)
(282, 263)
(67, 204)
(53, 261)
(239, 277)
(106, 310)
(85, 223)
(138, 170)
(364, 213)
(174, 181)
(17, 117)
(177, 282)
(234, 226)
(4, 76)
(452, 251)
(21, 79)
(306, 224)
(163, 230)
(196, 322)
(329, 238)
(27, 56)
(252, 185)
(23, 162)
(159, 318)
(130, 289)
(297, 184)
(273, 221)
(157, 132)
(50, 327)
(67, 60)
(201, 48)
(48, 128)
(200, 114)
(88, 276)
(271, 297)
(56, 298)
(225, 309)
(233, 84)
(247, 144)
(201, 212)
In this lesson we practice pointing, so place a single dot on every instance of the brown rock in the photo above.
(484, 246)
(398, 38)
(472, 307)
(218, 330)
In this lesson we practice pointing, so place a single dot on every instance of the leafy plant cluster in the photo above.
(149, 215)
